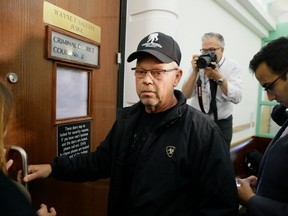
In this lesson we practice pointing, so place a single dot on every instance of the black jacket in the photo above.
(183, 169)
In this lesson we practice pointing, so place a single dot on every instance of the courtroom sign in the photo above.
(67, 47)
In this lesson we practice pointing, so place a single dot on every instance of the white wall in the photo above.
(187, 21)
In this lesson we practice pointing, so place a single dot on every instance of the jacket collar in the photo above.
(174, 112)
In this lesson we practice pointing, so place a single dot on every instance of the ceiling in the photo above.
(278, 9)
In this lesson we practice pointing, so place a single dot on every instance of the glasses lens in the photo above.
(270, 86)
(139, 73)
(157, 74)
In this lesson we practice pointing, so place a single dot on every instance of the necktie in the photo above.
(213, 106)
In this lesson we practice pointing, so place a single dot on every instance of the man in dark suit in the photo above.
(268, 194)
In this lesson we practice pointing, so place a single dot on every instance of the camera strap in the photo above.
(213, 90)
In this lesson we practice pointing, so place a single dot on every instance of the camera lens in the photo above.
(203, 62)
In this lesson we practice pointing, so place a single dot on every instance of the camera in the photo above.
(205, 60)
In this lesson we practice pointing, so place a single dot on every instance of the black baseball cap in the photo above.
(161, 46)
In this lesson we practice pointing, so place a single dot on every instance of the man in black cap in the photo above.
(163, 157)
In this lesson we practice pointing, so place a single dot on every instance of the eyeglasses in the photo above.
(269, 87)
(213, 50)
(156, 73)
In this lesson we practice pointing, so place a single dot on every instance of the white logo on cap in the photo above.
(150, 42)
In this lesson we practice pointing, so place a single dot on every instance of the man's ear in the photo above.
(177, 77)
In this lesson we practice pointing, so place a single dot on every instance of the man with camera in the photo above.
(215, 83)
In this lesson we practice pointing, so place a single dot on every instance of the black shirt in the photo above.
(146, 124)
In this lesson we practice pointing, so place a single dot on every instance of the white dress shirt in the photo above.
(231, 71)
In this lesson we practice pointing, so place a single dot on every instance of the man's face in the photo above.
(156, 91)
(212, 44)
(278, 90)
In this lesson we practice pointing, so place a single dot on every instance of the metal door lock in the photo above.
(12, 77)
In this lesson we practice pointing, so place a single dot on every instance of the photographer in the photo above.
(215, 83)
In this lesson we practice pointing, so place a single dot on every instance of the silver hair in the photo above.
(218, 36)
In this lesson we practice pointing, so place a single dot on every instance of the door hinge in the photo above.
(119, 61)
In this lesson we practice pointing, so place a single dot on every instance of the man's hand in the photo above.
(37, 172)
(213, 74)
(246, 189)
(194, 64)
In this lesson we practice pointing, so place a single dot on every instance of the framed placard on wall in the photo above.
(68, 47)
(73, 138)
(72, 93)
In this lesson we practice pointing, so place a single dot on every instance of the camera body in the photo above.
(205, 60)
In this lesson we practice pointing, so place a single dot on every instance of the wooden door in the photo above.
(23, 52)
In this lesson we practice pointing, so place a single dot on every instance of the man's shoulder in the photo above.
(129, 110)
(198, 116)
